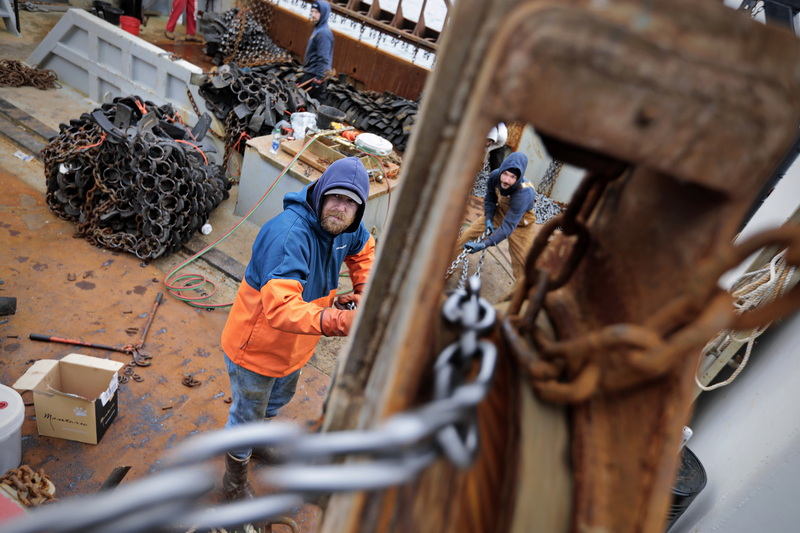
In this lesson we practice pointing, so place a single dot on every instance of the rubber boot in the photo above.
(269, 455)
(235, 484)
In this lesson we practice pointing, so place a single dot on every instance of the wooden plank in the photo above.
(316, 155)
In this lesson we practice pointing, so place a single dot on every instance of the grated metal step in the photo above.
(23, 130)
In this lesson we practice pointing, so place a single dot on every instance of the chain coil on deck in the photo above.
(133, 178)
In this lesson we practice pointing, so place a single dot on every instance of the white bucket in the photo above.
(12, 414)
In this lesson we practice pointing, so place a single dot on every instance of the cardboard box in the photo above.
(75, 398)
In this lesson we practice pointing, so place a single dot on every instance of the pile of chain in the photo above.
(259, 97)
(133, 177)
(550, 175)
(252, 100)
(546, 208)
(481, 180)
(391, 454)
(28, 487)
(240, 35)
(384, 114)
(14, 73)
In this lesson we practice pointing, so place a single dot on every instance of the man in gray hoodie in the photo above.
(508, 214)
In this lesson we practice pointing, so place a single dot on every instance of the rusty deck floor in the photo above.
(66, 287)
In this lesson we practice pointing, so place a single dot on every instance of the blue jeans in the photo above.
(256, 397)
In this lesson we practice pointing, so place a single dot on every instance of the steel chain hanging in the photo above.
(463, 259)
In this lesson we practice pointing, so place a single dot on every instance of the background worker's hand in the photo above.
(489, 227)
(474, 246)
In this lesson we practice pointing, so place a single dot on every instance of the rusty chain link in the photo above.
(239, 20)
(133, 177)
(27, 486)
(549, 178)
(248, 20)
(649, 348)
(539, 281)
(14, 73)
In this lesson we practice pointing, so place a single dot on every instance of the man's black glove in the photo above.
(474, 246)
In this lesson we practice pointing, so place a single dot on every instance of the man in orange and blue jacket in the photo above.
(287, 299)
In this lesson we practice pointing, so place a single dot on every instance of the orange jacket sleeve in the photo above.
(285, 309)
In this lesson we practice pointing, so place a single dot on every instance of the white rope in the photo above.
(751, 290)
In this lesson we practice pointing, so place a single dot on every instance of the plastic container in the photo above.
(373, 144)
(112, 14)
(100, 8)
(689, 481)
(129, 24)
(327, 114)
(302, 122)
(12, 414)
(276, 140)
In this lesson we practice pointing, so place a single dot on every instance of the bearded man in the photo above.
(287, 299)
(507, 214)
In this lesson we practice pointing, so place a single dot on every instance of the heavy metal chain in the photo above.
(28, 487)
(14, 73)
(463, 260)
(134, 188)
(571, 223)
(252, 15)
(689, 320)
(550, 175)
(240, 18)
(234, 130)
(391, 454)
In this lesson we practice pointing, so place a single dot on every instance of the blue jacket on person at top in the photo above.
(319, 51)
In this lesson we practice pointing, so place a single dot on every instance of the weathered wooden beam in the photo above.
(703, 102)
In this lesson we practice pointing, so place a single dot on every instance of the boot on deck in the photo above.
(235, 484)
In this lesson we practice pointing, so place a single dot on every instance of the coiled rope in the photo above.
(750, 291)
